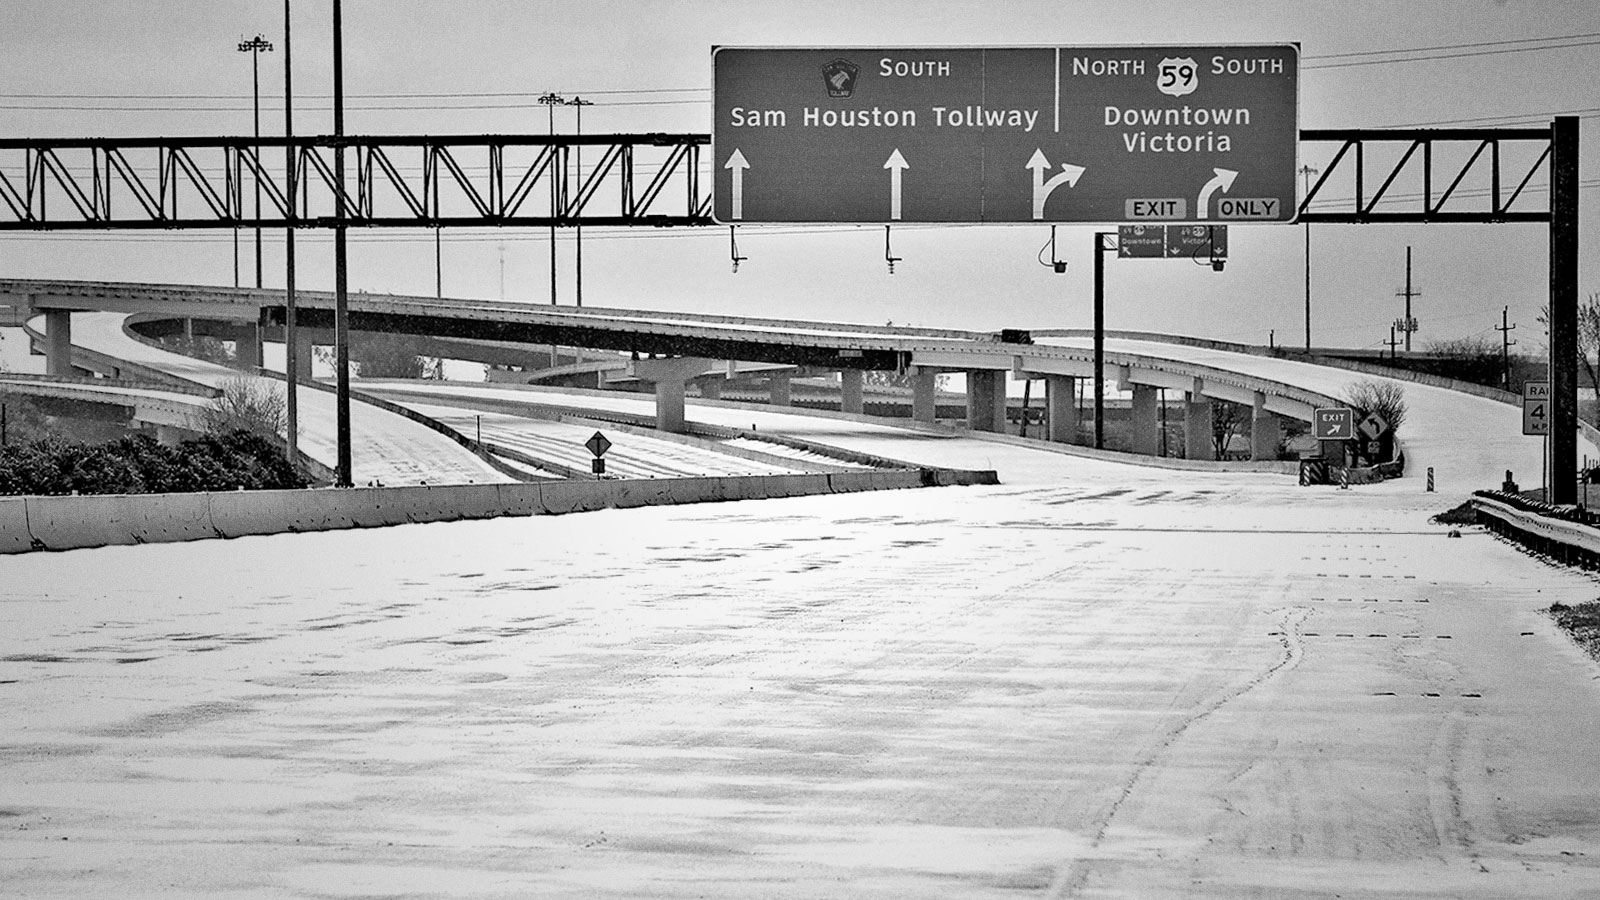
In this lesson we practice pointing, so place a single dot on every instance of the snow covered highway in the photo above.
(1097, 679)
(1094, 680)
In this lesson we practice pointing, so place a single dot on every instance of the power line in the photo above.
(1467, 46)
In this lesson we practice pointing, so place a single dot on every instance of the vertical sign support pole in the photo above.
(291, 359)
(1563, 457)
(341, 298)
(1100, 339)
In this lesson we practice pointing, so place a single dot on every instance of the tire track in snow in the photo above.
(1071, 881)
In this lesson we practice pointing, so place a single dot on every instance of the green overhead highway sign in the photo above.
(1159, 134)
(1202, 243)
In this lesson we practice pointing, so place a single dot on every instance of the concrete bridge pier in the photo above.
(986, 400)
(1061, 400)
(58, 342)
(247, 346)
(669, 377)
(851, 391)
(304, 352)
(924, 396)
(1198, 442)
(778, 390)
(1146, 420)
(1266, 430)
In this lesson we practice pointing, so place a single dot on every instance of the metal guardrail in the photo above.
(1565, 534)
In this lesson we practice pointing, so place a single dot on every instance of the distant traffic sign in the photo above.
(1199, 242)
(1202, 242)
(1536, 407)
(598, 444)
(1334, 424)
(1164, 134)
(1142, 241)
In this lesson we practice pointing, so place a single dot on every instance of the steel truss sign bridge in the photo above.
(49, 184)
(1003, 134)
(390, 181)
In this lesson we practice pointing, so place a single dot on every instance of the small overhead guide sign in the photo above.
(1158, 134)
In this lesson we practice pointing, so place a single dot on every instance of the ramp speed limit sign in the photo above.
(1536, 407)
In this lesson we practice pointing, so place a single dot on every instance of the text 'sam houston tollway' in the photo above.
(1042, 134)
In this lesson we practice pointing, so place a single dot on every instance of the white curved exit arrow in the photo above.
(1223, 179)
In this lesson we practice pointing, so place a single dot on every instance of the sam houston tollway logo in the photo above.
(840, 77)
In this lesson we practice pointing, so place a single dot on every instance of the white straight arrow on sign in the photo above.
(1223, 179)
(896, 165)
(737, 163)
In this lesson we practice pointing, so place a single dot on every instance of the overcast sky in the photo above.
(119, 67)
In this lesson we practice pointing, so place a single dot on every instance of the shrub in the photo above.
(137, 464)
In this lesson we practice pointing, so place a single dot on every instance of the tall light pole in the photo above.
(551, 100)
(1307, 172)
(255, 47)
(578, 175)
(291, 337)
(341, 281)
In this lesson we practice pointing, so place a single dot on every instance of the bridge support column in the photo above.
(304, 350)
(778, 390)
(1265, 430)
(247, 346)
(1061, 395)
(986, 400)
(924, 396)
(58, 342)
(851, 386)
(1146, 420)
(669, 377)
(1197, 423)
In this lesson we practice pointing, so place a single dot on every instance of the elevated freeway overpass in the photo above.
(672, 349)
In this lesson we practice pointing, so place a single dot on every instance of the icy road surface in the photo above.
(1126, 683)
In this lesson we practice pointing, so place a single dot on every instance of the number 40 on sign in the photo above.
(1536, 407)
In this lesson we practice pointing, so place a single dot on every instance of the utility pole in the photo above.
(1307, 172)
(255, 47)
(1506, 344)
(1392, 341)
(577, 171)
(1408, 324)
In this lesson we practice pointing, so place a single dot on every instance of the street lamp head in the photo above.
(257, 44)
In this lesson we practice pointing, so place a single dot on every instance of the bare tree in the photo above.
(1388, 400)
(1227, 420)
(1588, 339)
(256, 405)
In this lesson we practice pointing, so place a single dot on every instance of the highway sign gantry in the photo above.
(1161, 134)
